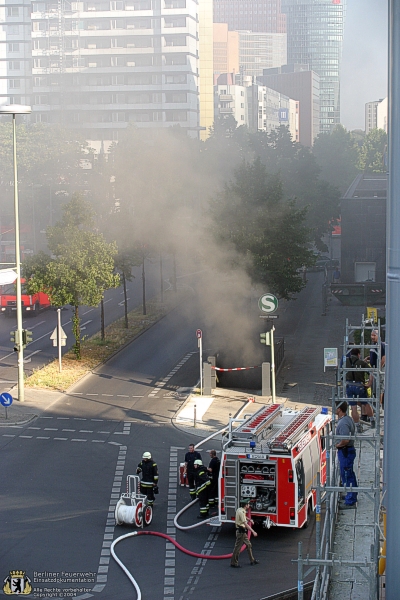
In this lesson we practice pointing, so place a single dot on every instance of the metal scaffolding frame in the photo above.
(327, 495)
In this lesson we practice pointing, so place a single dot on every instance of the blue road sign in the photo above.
(6, 399)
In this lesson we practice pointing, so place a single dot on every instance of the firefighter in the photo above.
(202, 485)
(213, 469)
(149, 481)
(190, 457)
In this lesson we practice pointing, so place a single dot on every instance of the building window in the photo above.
(13, 47)
(175, 40)
(13, 11)
(13, 30)
(14, 65)
(14, 83)
(175, 3)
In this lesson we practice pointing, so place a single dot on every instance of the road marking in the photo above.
(160, 384)
(88, 311)
(78, 440)
(104, 561)
(37, 325)
(170, 550)
(50, 429)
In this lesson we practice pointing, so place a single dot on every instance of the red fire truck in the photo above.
(31, 303)
(273, 458)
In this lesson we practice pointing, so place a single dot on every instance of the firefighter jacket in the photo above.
(149, 471)
(202, 479)
(190, 457)
(214, 466)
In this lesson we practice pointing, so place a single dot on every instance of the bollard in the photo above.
(194, 416)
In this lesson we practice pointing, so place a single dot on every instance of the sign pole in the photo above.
(272, 364)
(201, 365)
(199, 335)
(59, 338)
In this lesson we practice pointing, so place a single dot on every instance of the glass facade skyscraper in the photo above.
(315, 37)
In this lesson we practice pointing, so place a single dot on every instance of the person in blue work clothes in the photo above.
(346, 453)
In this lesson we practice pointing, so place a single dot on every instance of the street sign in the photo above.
(269, 317)
(63, 337)
(268, 303)
(6, 399)
(199, 333)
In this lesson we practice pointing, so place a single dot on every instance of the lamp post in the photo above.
(17, 109)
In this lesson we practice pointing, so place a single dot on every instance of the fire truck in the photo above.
(273, 458)
(31, 303)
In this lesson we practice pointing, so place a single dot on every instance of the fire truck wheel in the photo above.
(148, 515)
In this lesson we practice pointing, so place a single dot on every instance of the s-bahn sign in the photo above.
(268, 303)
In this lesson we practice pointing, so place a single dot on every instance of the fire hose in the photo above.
(170, 539)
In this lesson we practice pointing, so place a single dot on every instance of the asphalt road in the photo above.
(61, 472)
(41, 350)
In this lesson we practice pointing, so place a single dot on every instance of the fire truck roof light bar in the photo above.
(286, 436)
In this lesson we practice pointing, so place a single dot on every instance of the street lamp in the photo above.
(17, 109)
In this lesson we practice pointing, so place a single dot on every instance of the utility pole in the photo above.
(391, 473)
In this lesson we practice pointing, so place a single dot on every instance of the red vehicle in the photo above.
(31, 303)
(273, 458)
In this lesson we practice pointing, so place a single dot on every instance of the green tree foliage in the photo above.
(81, 265)
(267, 232)
(42, 151)
(300, 176)
(373, 152)
(337, 155)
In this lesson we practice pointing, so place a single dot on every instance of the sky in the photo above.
(364, 63)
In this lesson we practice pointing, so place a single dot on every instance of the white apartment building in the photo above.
(231, 100)
(15, 52)
(382, 115)
(104, 63)
(98, 65)
(376, 115)
(256, 106)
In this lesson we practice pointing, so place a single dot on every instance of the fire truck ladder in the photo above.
(253, 427)
(285, 438)
(231, 487)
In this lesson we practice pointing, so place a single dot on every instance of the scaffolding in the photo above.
(326, 557)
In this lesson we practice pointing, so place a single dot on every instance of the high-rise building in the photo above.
(100, 64)
(259, 51)
(376, 115)
(15, 52)
(226, 50)
(251, 15)
(315, 36)
(298, 82)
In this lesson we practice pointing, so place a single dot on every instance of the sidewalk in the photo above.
(354, 533)
(20, 413)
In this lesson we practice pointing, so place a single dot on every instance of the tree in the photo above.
(337, 155)
(373, 152)
(300, 176)
(267, 233)
(80, 267)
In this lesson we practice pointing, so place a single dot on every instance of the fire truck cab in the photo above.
(273, 458)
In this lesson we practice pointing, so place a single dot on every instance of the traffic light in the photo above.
(265, 338)
(26, 337)
(13, 338)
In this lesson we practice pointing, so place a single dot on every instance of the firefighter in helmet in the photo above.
(202, 484)
(149, 482)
